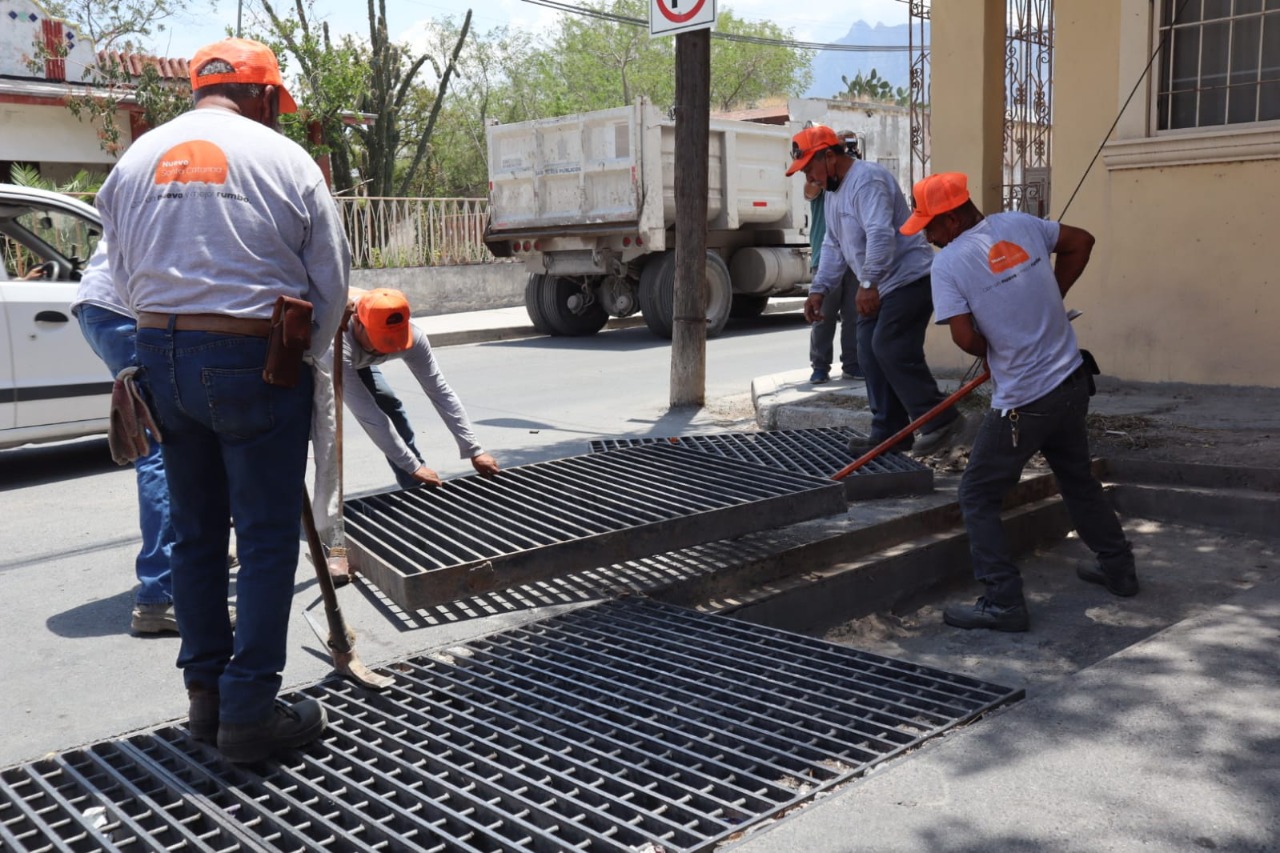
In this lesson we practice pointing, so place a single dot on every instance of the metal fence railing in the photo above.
(415, 232)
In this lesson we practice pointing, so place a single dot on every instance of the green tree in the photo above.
(595, 63)
(331, 78)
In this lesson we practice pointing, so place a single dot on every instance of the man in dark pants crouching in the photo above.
(994, 285)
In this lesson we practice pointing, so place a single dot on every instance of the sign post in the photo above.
(692, 21)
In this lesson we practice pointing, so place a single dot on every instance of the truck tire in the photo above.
(568, 309)
(747, 306)
(658, 294)
(533, 304)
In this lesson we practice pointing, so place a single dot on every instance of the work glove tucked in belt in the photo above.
(130, 420)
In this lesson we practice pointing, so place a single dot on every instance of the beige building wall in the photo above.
(1183, 284)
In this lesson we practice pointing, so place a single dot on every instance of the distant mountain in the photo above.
(894, 67)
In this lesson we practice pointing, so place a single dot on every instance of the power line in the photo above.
(803, 45)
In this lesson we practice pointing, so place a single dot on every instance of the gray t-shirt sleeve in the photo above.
(424, 367)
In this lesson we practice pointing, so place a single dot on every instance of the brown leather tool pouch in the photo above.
(289, 341)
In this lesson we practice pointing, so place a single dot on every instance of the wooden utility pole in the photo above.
(693, 119)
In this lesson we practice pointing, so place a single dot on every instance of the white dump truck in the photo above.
(587, 202)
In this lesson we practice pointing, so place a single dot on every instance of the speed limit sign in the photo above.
(667, 17)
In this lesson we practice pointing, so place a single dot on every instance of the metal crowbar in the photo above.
(341, 640)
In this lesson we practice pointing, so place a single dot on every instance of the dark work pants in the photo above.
(1055, 426)
(900, 387)
(838, 307)
(393, 408)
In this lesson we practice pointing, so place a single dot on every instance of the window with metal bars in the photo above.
(1220, 64)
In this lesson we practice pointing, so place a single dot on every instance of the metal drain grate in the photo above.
(606, 729)
(819, 452)
(424, 547)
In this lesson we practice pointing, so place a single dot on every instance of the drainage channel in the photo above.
(425, 547)
(818, 452)
(626, 726)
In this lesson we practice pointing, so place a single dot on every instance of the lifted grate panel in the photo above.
(424, 547)
(818, 452)
(627, 724)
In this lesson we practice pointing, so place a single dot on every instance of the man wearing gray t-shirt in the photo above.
(995, 286)
(864, 207)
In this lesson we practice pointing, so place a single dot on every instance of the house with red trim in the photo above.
(44, 62)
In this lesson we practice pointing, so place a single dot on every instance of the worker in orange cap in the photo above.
(996, 288)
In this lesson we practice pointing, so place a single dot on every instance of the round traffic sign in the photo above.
(669, 9)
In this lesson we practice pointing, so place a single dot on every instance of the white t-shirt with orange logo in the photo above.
(1000, 272)
(215, 213)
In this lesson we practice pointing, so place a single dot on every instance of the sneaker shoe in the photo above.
(1123, 583)
(855, 375)
(202, 714)
(985, 614)
(942, 438)
(819, 376)
(286, 727)
(153, 619)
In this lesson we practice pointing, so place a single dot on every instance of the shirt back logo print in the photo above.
(192, 162)
(1005, 256)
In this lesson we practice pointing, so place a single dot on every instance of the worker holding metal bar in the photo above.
(864, 208)
(996, 288)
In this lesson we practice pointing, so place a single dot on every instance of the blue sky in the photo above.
(819, 21)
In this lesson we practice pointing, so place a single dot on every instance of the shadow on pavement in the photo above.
(49, 463)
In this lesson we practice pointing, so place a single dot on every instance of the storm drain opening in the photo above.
(625, 726)
(424, 547)
(819, 452)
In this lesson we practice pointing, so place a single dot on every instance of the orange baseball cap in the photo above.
(385, 316)
(253, 62)
(808, 142)
(934, 195)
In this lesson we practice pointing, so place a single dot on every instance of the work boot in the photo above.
(860, 444)
(987, 614)
(1122, 582)
(154, 619)
(202, 714)
(286, 727)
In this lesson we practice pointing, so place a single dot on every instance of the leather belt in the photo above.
(219, 323)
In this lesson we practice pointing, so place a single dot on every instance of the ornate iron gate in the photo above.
(1028, 114)
(1027, 97)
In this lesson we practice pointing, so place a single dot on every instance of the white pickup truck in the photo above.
(587, 202)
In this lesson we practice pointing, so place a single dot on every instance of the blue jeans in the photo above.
(839, 306)
(900, 387)
(234, 448)
(1055, 426)
(393, 408)
(111, 337)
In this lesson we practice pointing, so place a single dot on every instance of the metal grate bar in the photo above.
(630, 725)
(424, 547)
(519, 777)
(818, 452)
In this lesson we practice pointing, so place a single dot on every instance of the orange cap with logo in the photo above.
(253, 62)
(808, 142)
(933, 195)
(385, 316)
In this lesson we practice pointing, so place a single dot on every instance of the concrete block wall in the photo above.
(451, 289)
